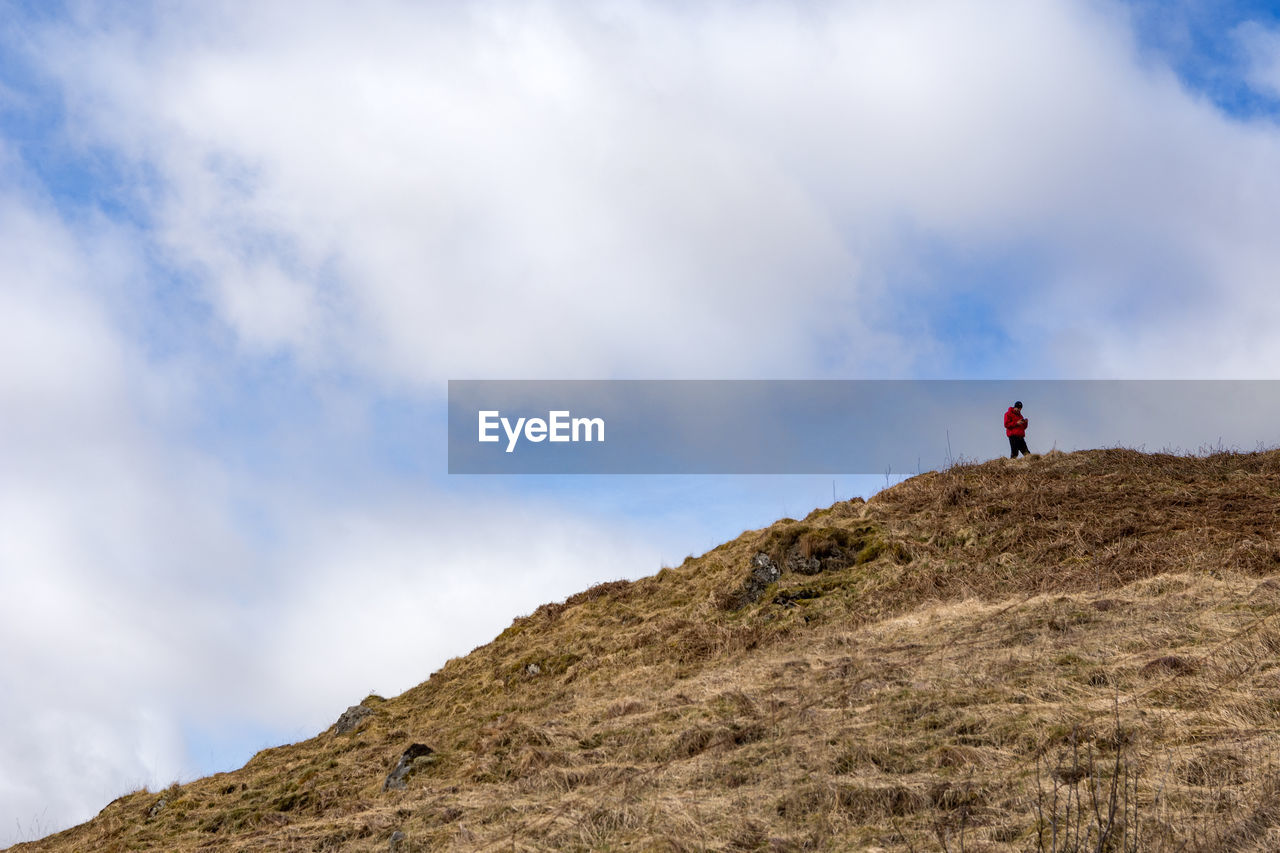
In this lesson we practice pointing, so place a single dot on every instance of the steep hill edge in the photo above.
(956, 658)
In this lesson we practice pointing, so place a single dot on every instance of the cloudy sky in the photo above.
(244, 245)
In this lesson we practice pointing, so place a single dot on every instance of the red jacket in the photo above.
(1014, 423)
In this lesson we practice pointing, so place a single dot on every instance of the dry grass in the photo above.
(988, 658)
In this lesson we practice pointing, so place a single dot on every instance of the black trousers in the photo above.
(1017, 443)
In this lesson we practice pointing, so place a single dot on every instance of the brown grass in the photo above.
(1092, 625)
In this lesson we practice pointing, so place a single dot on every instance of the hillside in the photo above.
(1003, 656)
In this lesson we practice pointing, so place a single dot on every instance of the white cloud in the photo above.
(1261, 46)
(388, 592)
(411, 192)
(716, 190)
(68, 496)
(152, 587)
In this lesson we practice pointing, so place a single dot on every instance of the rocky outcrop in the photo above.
(413, 759)
(352, 718)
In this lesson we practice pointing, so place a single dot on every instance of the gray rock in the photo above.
(396, 838)
(351, 719)
(764, 572)
(533, 669)
(803, 565)
(413, 757)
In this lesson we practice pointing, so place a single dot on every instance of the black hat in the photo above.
(1018, 405)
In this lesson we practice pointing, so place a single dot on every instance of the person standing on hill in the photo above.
(1015, 426)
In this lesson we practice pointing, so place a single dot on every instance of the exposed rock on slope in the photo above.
(975, 659)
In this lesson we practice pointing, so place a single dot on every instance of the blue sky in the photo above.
(242, 250)
(1211, 47)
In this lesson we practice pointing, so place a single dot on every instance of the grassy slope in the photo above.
(982, 649)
